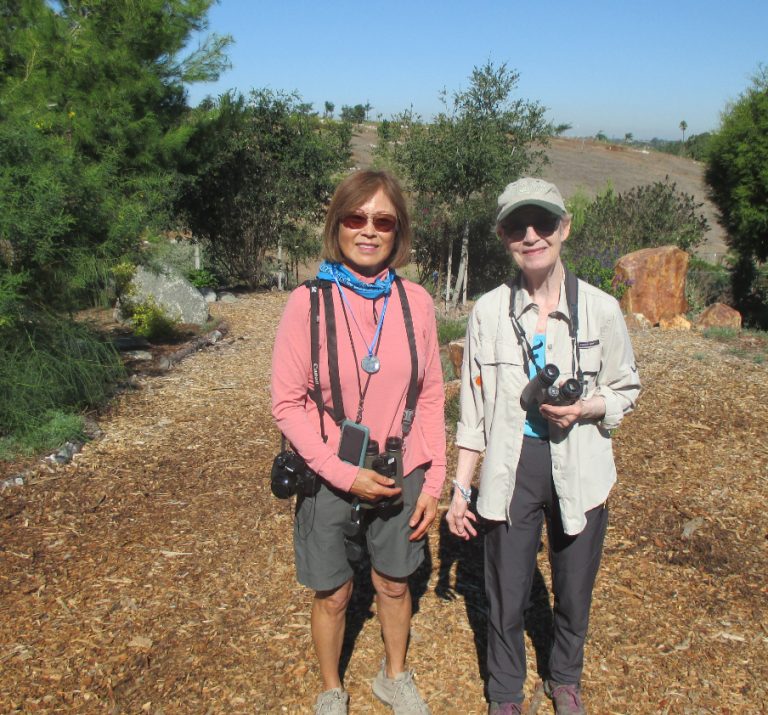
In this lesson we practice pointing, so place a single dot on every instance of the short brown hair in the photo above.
(350, 195)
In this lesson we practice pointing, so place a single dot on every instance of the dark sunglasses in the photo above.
(543, 225)
(383, 223)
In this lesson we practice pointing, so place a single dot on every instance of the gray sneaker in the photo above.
(505, 709)
(565, 698)
(332, 702)
(400, 693)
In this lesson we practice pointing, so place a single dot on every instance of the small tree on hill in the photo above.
(457, 165)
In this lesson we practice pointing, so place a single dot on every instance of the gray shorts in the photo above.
(318, 539)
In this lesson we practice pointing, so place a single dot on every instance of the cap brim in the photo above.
(549, 206)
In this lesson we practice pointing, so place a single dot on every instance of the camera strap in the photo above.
(413, 386)
(337, 413)
(572, 299)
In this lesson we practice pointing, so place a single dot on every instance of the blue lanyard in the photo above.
(354, 320)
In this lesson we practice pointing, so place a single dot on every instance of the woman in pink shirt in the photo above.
(380, 348)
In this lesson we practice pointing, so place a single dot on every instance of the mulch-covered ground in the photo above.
(155, 574)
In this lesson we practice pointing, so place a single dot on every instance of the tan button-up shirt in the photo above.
(494, 375)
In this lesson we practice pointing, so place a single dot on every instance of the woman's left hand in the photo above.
(423, 516)
(562, 415)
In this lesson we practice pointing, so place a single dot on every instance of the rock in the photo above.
(719, 315)
(65, 454)
(637, 321)
(138, 355)
(456, 355)
(656, 278)
(679, 322)
(17, 481)
(209, 295)
(177, 297)
(130, 342)
(226, 297)
(214, 337)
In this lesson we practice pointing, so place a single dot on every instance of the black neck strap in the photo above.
(413, 386)
(572, 299)
(338, 413)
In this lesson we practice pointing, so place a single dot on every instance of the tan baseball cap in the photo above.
(530, 192)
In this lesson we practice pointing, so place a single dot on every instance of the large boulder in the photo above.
(719, 315)
(173, 293)
(656, 278)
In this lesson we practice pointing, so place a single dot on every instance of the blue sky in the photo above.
(617, 66)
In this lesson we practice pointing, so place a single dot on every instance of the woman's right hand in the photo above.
(372, 486)
(461, 521)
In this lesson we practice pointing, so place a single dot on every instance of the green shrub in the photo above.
(706, 283)
(450, 329)
(203, 278)
(616, 224)
(54, 429)
(49, 365)
(150, 321)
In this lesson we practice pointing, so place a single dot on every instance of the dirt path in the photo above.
(155, 574)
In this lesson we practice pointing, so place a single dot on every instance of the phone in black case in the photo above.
(353, 442)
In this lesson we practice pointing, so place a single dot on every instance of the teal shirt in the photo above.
(535, 424)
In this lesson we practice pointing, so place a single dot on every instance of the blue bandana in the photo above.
(339, 273)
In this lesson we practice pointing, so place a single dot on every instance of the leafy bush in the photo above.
(706, 283)
(616, 224)
(203, 278)
(450, 329)
(150, 321)
(49, 365)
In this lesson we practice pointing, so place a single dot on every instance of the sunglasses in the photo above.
(384, 223)
(543, 225)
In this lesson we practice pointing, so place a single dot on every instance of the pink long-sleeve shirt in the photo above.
(296, 412)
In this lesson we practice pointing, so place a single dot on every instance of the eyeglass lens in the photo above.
(383, 223)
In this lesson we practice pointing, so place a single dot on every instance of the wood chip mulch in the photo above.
(154, 574)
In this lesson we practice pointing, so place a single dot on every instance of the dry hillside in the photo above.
(576, 164)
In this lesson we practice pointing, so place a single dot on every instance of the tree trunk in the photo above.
(448, 274)
(279, 264)
(461, 278)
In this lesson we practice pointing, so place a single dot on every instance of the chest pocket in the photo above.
(501, 369)
(591, 360)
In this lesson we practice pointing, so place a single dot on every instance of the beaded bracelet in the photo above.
(466, 493)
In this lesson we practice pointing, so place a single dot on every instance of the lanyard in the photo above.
(370, 363)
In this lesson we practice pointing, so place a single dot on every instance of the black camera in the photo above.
(291, 475)
(541, 389)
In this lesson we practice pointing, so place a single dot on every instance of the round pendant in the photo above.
(371, 364)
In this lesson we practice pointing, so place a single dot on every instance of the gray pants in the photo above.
(510, 561)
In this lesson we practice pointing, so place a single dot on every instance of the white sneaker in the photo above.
(400, 692)
(332, 702)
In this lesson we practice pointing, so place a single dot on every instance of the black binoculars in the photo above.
(291, 475)
(389, 464)
(541, 389)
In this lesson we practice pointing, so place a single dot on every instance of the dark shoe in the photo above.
(505, 709)
(565, 698)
